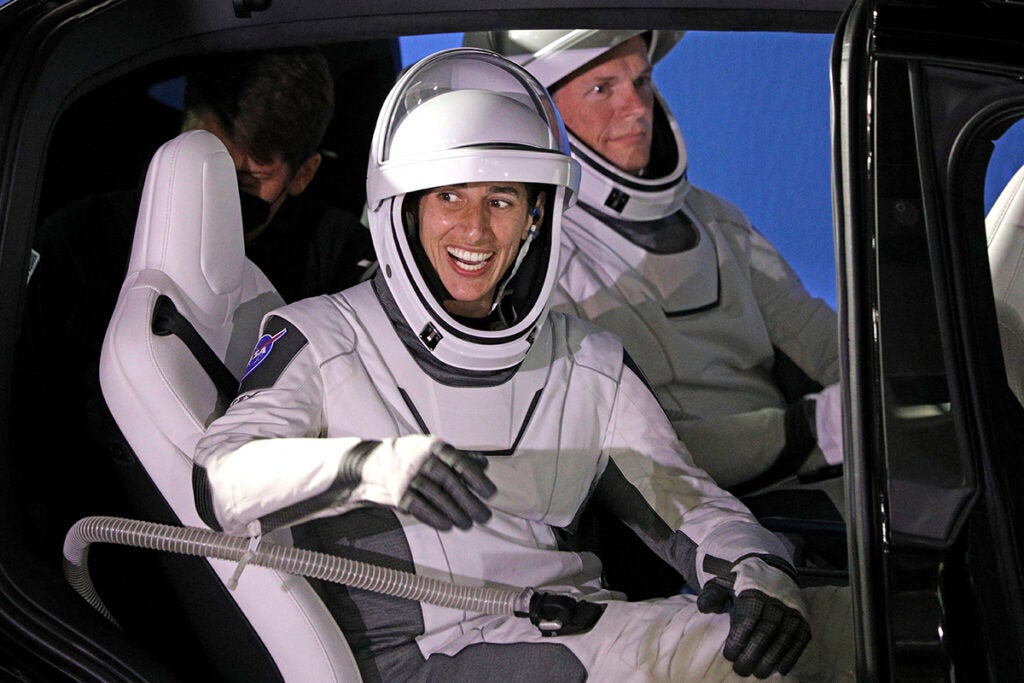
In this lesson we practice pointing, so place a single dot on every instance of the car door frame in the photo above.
(919, 91)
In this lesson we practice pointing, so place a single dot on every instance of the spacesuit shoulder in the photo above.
(711, 208)
(326, 321)
(589, 346)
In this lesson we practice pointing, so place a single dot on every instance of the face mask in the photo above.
(255, 211)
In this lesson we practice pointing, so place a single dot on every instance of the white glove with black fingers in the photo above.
(828, 422)
(768, 627)
(423, 476)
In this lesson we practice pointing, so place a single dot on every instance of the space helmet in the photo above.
(555, 55)
(462, 116)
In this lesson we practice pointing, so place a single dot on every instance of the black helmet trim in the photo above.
(465, 335)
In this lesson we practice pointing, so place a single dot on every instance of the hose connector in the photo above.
(563, 615)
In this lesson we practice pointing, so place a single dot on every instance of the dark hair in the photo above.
(270, 103)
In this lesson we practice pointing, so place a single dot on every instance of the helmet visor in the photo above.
(447, 109)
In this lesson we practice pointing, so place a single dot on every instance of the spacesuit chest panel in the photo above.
(542, 429)
(683, 282)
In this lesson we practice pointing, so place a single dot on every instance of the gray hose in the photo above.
(207, 543)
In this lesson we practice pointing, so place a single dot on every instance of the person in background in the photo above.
(270, 109)
(743, 360)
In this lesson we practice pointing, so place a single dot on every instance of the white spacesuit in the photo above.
(703, 303)
(330, 433)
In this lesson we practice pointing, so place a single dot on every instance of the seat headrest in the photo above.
(1004, 229)
(190, 221)
(1008, 208)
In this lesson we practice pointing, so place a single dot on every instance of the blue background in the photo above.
(754, 111)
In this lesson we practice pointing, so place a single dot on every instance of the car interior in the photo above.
(138, 453)
(144, 398)
(160, 398)
(103, 143)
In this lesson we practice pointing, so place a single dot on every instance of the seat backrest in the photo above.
(1004, 228)
(189, 248)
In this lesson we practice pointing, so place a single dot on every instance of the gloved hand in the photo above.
(423, 476)
(828, 422)
(768, 627)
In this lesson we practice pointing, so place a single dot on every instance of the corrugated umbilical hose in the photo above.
(212, 544)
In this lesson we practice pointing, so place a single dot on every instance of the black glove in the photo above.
(768, 625)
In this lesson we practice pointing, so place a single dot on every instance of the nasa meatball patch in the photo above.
(275, 349)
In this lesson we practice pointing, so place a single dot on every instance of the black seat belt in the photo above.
(168, 320)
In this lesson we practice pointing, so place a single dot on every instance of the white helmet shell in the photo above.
(463, 116)
(553, 56)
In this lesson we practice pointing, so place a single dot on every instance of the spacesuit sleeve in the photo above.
(652, 484)
(561, 301)
(803, 327)
(755, 442)
(262, 464)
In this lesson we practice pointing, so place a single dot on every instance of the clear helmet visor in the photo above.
(552, 55)
(452, 105)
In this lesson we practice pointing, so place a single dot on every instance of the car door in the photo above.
(922, 95)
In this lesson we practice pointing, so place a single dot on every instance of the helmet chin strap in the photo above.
(523, 250)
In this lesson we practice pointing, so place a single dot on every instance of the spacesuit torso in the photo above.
(703, 318)
(386, 394)
(701, 322)
(574, 407)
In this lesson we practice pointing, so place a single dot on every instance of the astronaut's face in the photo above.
(471, 234)
(610, 105)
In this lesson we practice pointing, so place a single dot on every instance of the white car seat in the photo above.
(188, 250)
(1004, 228)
